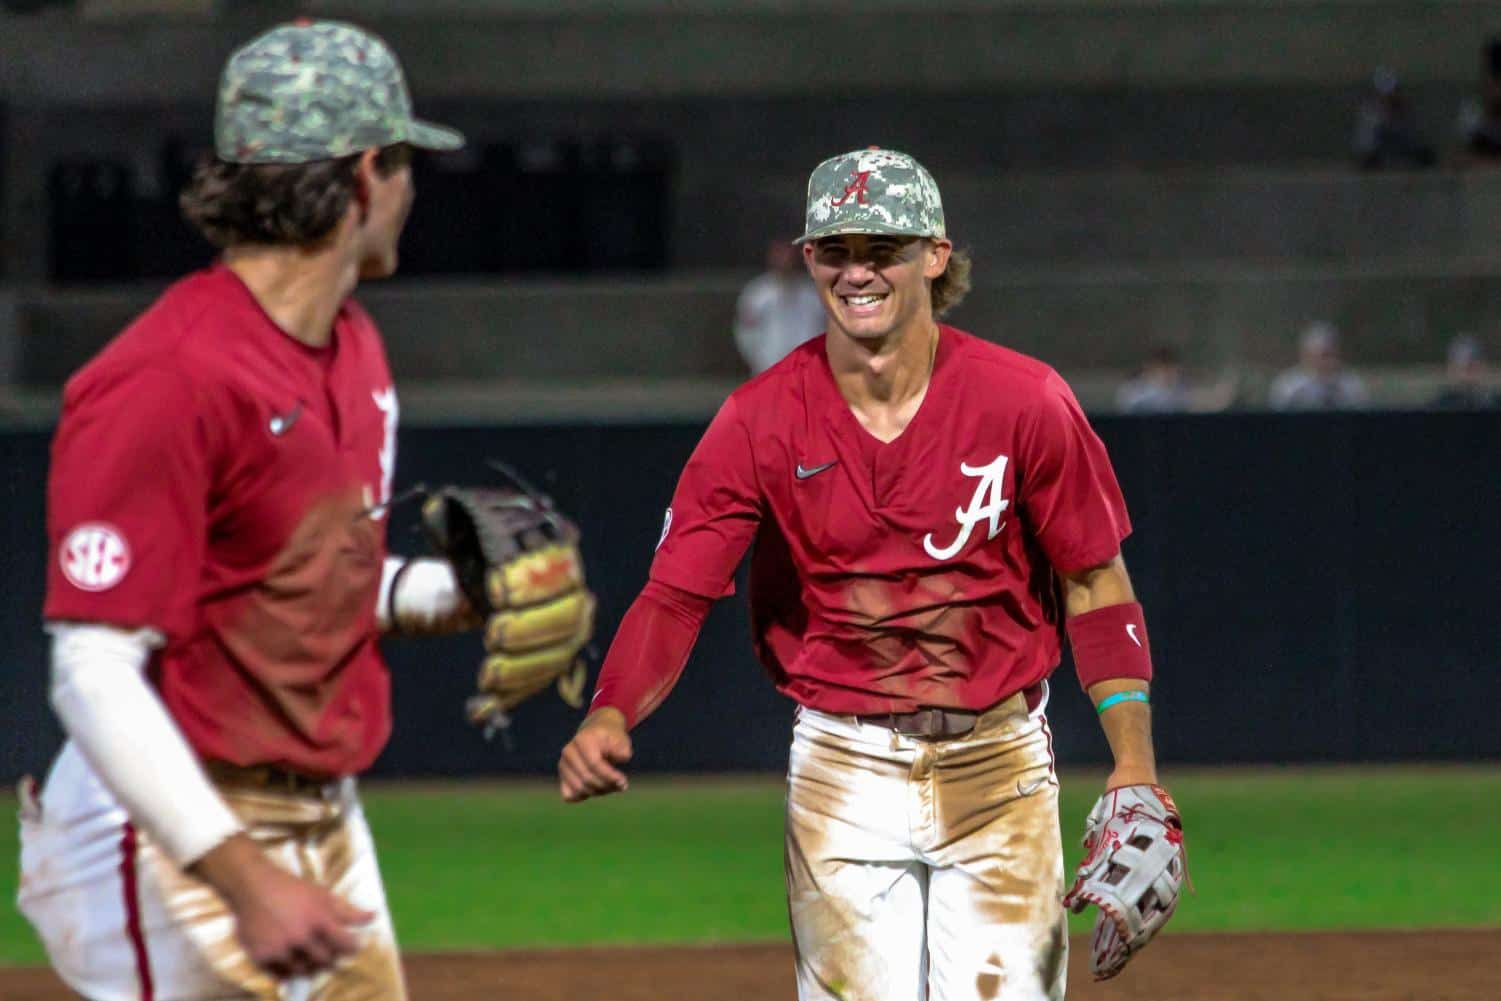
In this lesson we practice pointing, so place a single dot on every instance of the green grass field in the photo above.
(699, 860)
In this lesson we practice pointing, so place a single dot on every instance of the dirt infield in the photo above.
(1374, 966)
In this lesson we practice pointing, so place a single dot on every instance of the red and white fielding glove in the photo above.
(1133, 870)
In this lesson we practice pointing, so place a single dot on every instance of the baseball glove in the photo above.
(517, 560)
(1133, 870)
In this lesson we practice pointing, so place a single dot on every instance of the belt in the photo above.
(939, 723)
(269, 778)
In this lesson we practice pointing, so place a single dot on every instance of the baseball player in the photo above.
(929, 513)
(219, 577)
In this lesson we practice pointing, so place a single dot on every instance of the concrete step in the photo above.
(1220, 315)
(655, 49)
(1259, 217)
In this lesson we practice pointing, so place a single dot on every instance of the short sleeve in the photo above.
(1068, 492)
(716, 510)
(127, 498)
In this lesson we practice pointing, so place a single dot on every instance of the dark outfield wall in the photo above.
(1317, 588)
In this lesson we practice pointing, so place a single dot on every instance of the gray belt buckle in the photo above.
(928, 723)
(932, 723)
(949, 724)
(918, 723)
(895, 723)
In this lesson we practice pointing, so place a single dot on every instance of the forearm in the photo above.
(1112, 654)
(649, 651)
(421, 596)
(1128, 730)
(1097, 587)
(232, 867)
(119, 724)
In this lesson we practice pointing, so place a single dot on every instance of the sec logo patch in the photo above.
(94, 557)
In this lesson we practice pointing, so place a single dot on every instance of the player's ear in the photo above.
(936, 257)
(364, 174)
(807, 249)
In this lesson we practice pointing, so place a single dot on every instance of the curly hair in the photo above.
(950, 288)
(274, 203)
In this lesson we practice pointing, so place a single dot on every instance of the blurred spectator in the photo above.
(1480, 114)
(1385, 133)
(1320, 380)
(777, 310)
(1468, 385)
(1161, 387)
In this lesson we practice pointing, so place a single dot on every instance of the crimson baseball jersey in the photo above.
(212, 478)
(919, 572)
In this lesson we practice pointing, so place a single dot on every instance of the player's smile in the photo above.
(871, 285)
(864, 303)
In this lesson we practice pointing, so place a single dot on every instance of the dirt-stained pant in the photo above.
(122, 923)
(926, 869)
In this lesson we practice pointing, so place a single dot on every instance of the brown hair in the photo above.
(276, 203)
(950, 288)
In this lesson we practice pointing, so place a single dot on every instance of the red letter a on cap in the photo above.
(856, 188)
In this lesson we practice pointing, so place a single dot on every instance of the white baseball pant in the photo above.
(926, 870)
(121, 922)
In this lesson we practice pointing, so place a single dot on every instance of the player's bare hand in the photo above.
(592, 763)
(288, 926)
(293, 928)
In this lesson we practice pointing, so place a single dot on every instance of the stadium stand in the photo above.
(1127, 172)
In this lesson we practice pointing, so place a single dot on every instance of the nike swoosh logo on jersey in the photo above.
(803, 474)
(1131, 632)
(1030, 788)
(282, 423)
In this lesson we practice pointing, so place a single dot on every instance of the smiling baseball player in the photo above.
(930, 512)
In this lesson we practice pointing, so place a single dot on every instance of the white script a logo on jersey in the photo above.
(986, 504)
(385, 401)
(94, 556)
(666, 527)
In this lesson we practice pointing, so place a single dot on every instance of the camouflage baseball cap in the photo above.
(872, 191)
(316, 90)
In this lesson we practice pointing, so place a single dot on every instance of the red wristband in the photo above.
(1110, 642)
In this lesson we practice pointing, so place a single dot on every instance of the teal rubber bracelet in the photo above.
(1120, 697)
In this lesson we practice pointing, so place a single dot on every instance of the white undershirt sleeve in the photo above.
(423, 597)
(100, 693)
